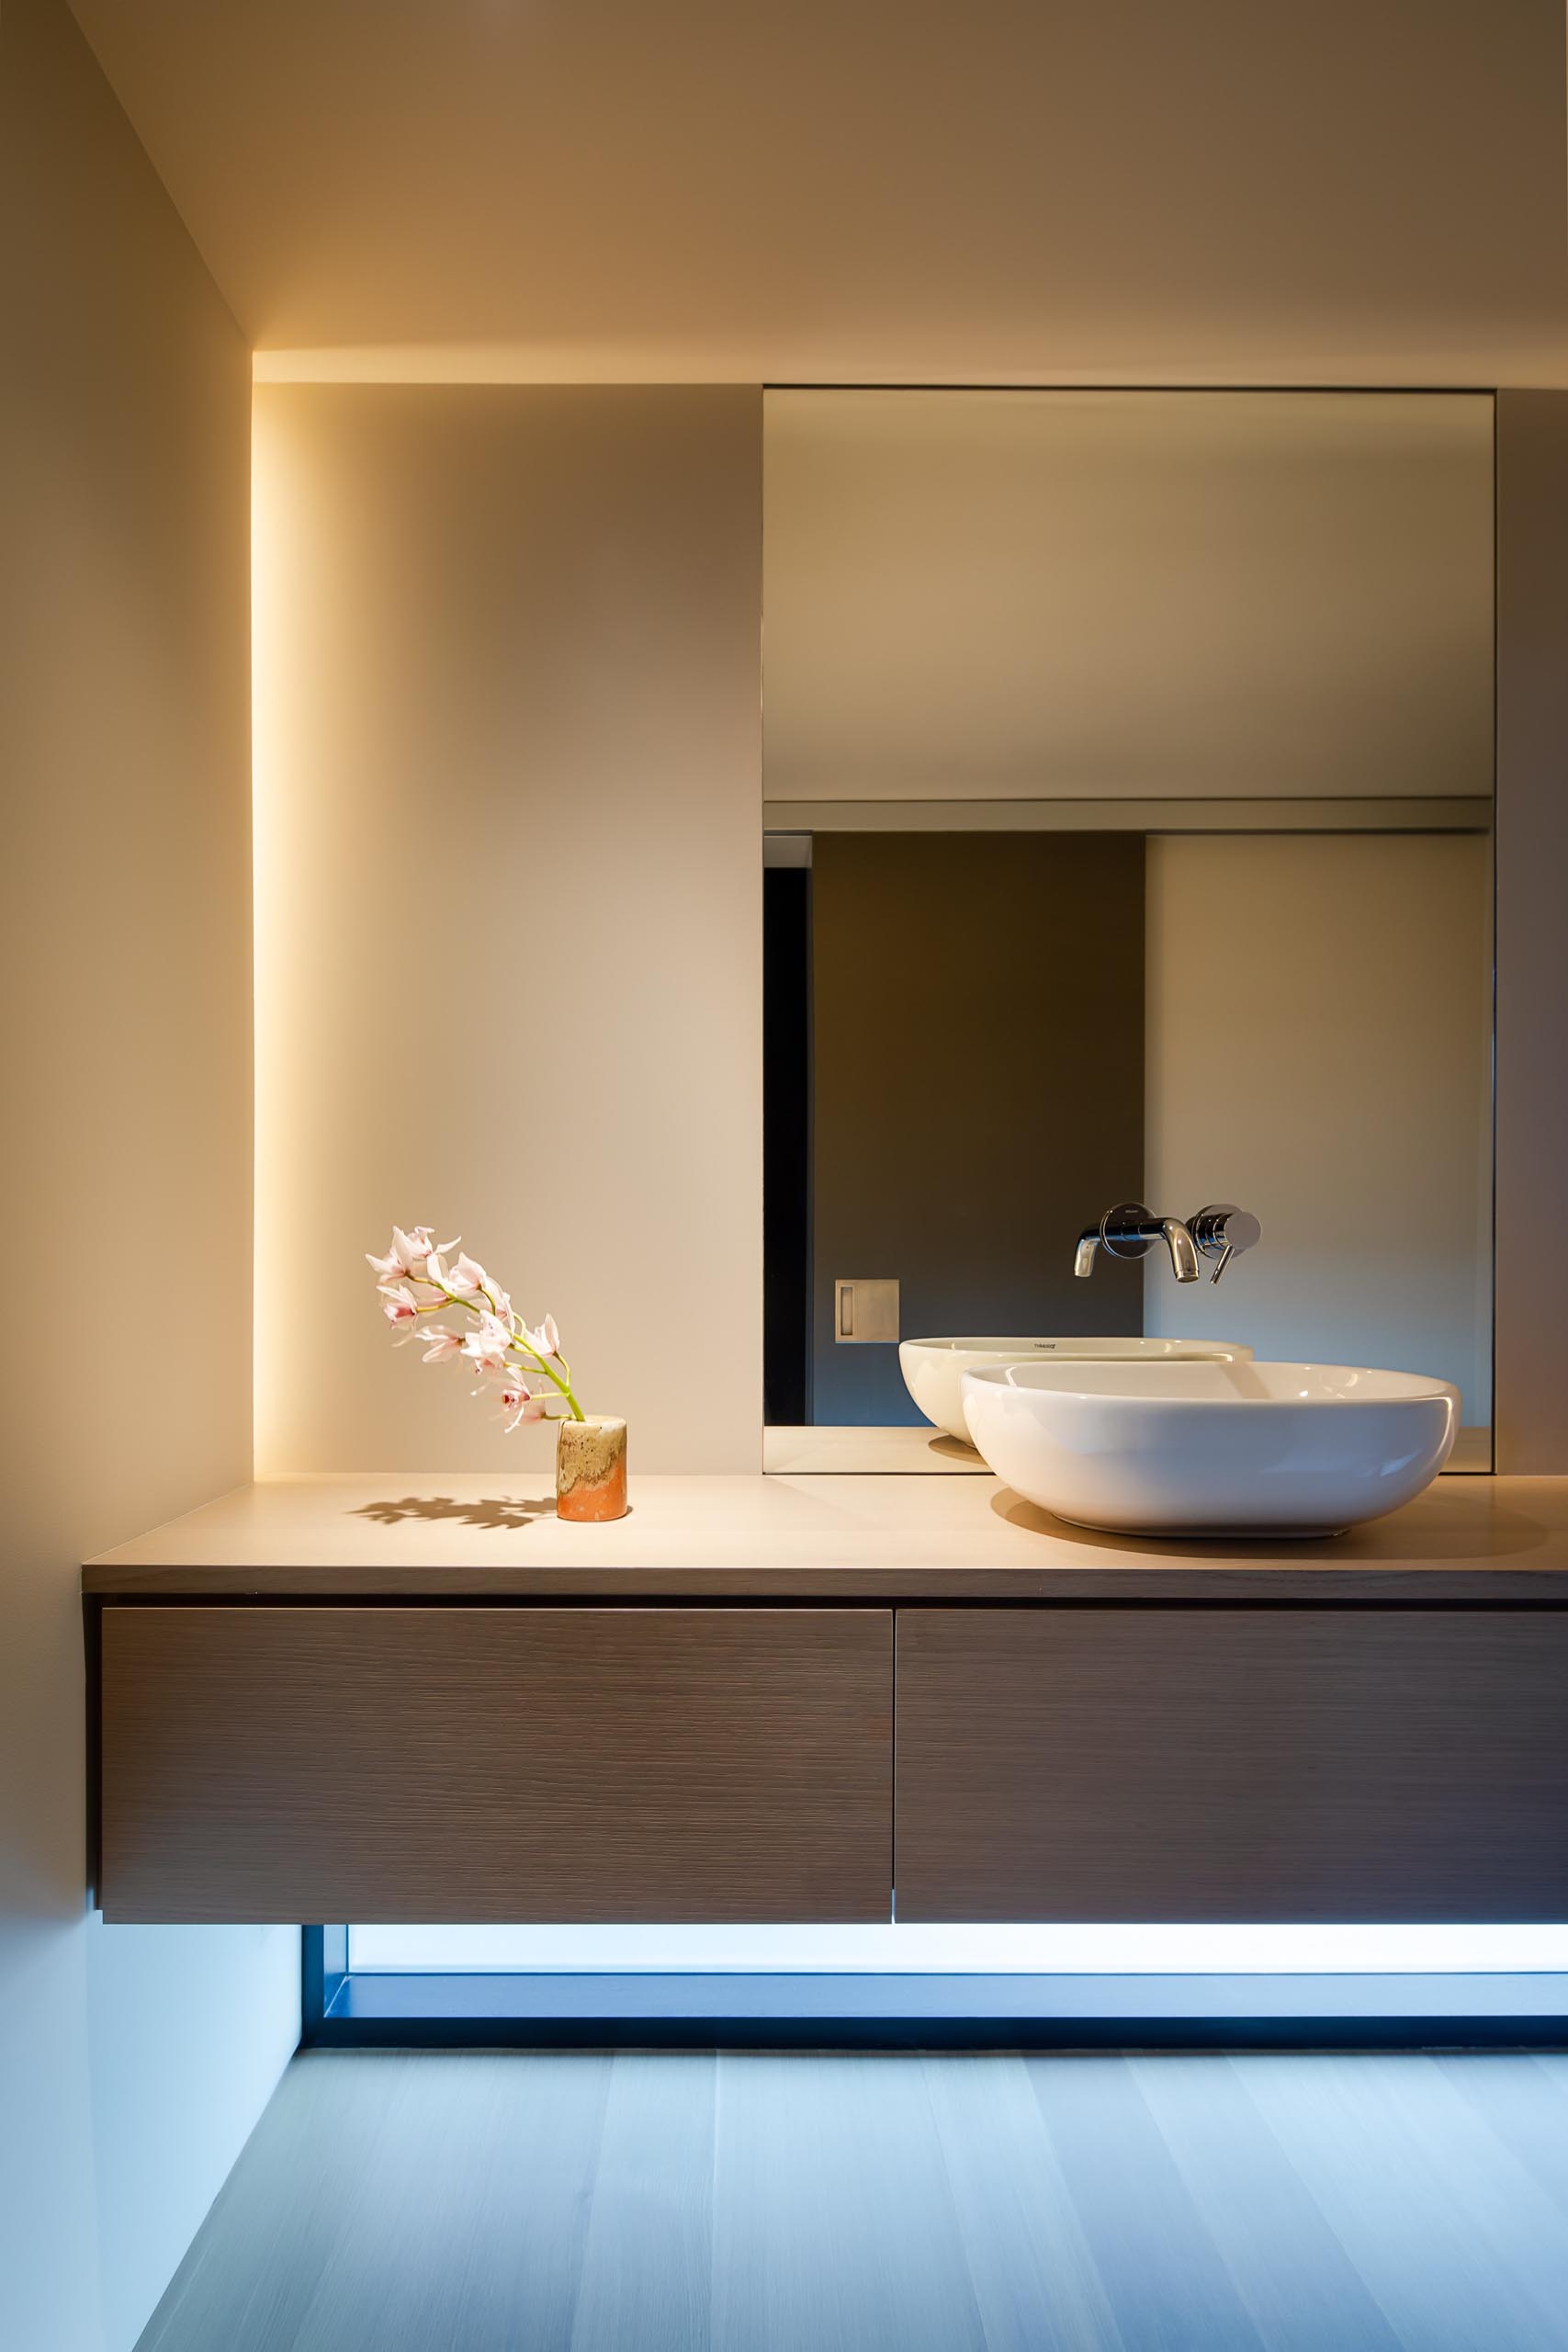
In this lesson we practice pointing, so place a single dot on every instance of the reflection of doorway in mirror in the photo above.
(976, 1015)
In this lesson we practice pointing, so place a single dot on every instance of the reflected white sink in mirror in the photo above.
(933, 1369)
(1230, 1448)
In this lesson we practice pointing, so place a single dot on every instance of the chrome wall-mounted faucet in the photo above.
(1220, 1232)
(1130, 1230)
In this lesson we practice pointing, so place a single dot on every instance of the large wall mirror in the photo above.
(1128, 766)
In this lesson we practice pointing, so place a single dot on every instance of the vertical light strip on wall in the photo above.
(267, 930)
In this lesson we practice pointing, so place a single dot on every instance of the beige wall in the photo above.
(1112, 596)
(132, 2061)
(1319, 1049)
(509, 905)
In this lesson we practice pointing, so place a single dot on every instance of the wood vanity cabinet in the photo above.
(478, 1763)
(739, 1763)
(809, 1697)
(1204, 1763)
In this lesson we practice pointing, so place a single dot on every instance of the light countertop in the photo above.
(808, 1537)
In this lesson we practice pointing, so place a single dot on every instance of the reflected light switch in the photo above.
(865, 1310)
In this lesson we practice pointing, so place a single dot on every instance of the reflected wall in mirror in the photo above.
(1128, 765)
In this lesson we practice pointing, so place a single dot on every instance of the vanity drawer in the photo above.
(495, 1763)
(1233, 1764)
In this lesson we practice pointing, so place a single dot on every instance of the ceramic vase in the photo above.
(590, 1468)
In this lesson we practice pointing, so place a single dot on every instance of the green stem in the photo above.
(563, 1384)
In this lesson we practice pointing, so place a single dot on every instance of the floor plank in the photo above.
(1459, 2246)
(257, 2259)
(889, 2202)
(834, 2227)
(1168, 2285)
(481, 2211)
(1036, 2283)
(1508, 2094)
(1295, 2279)
(648, 2263)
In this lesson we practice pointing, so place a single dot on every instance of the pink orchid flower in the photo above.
(519, 1400)
(409, 1255)
(488, 1349)
(465, 1278)
(546, 1340)
(399, 1304)
(444, 1345)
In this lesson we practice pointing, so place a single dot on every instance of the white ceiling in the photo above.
(857, 189)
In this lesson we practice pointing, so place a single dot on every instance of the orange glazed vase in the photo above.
(590, 1468)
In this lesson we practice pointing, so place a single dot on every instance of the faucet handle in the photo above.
(1221, 1231)
(1128, 1229)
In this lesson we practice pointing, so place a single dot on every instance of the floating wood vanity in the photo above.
(779, 1698)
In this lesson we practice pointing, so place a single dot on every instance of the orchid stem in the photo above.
(564, 1385)
(456, 1298)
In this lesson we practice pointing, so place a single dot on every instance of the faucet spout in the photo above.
(1183, 1256)
(1130, 1230)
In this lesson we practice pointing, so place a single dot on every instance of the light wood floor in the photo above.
(848, 2202)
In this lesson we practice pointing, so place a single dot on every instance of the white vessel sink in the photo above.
(1237, 1448)
(933, 1369)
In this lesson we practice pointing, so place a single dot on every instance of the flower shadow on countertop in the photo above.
(502, 1512)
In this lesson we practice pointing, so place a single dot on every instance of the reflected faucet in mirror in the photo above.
(1219, 1232)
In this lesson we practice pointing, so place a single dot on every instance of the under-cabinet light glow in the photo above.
(1014, 1950)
